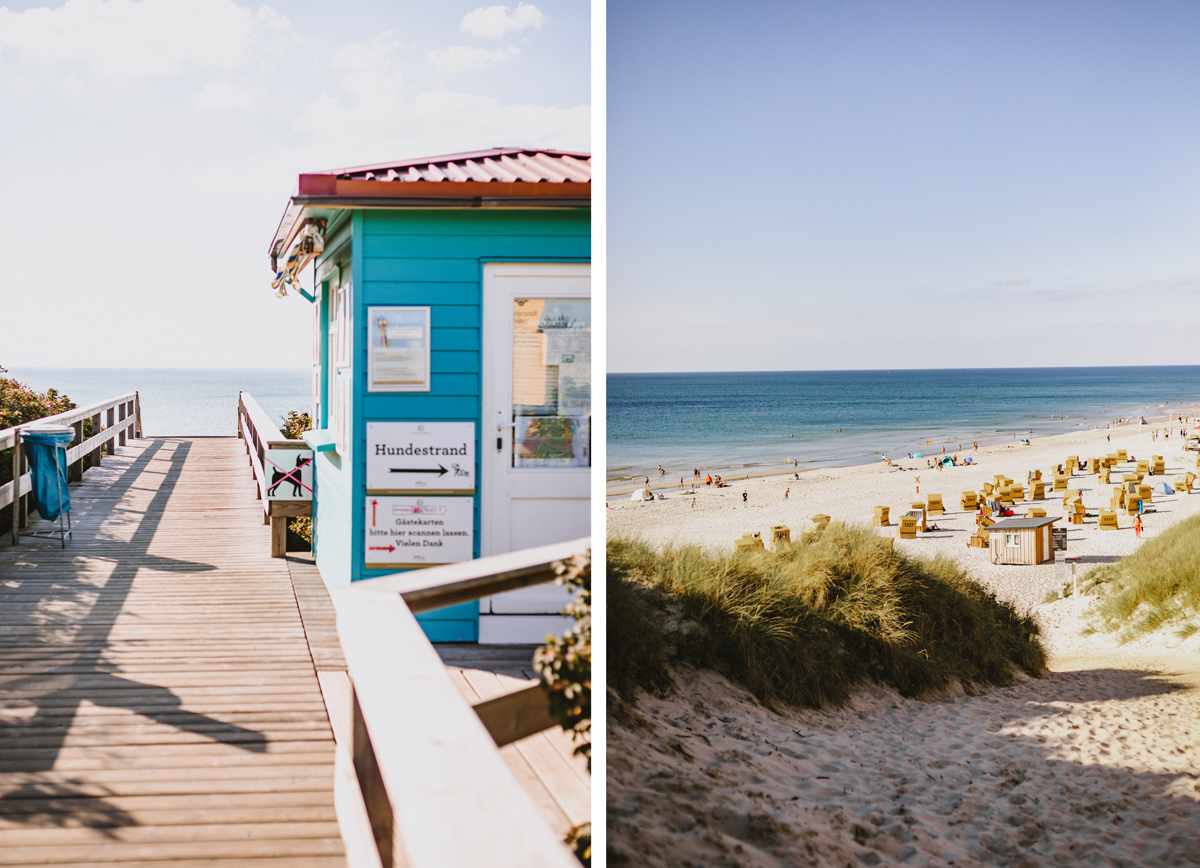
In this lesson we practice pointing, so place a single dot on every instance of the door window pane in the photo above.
(552, 382)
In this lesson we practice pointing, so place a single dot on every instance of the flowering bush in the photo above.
(20, 404)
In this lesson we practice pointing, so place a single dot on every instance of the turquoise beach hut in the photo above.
(451, 396)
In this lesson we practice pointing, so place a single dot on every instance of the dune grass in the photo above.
(1155, 587)
(807, 624)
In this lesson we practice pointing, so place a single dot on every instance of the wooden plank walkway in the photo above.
(158, 698)
(544, 764)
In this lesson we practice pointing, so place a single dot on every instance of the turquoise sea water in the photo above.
(754, 421)
(180, 401)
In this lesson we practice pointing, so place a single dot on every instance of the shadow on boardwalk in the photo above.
(57, 612)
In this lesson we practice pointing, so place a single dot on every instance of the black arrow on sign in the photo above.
(441, 471)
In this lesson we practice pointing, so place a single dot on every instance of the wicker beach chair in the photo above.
(1122, 455)
(1108, 520)
(748, 542)
(1060, 481)
(780, 533)
(881, 516)
(968, 501)
(935, 505)
(908, 527)
(1035, 512)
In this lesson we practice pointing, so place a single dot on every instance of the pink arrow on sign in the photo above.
(373, 502)
(383, 548)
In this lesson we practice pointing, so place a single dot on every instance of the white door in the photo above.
(536, 433)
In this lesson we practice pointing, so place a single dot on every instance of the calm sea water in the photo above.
(183, 400)
(736, 421)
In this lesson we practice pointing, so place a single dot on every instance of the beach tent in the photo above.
(918, 455)
(1162, 488)
(946, 459)
(641, 494)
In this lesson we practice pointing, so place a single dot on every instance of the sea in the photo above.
(760, 421)
(180, 401)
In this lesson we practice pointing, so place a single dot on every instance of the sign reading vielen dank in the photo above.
(420, 457)
(407, 532)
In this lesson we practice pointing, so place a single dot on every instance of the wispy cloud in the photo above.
(1014, 281)
(492, 22)
(122, 39)
(459, 58)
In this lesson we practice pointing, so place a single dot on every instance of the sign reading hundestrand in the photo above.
(407, 532)
(420, 457)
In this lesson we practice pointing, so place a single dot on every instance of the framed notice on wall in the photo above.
(398, 350)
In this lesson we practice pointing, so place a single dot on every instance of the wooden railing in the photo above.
(435, 788)
(277, 463)
(112, 422)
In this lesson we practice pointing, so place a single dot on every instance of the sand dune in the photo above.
(1093, 765)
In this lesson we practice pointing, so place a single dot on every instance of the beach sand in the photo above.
(1094, 764)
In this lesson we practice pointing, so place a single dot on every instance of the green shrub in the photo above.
(808, 623)
(564, 665)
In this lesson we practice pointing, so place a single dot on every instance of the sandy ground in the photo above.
(1095, 764)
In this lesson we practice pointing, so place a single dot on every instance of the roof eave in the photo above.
(333, 193)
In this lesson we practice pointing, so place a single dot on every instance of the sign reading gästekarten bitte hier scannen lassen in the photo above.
(417, 531)
(420, 457)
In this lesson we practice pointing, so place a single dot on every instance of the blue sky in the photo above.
(150, 148)
(902, 185)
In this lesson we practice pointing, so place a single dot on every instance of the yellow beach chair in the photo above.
(881, 517)
(1108, 520)
(968, 501)
(748, 543)
(935, 505)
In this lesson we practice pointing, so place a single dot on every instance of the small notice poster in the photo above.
(1058, 542)
(398, 350)
(408, 532)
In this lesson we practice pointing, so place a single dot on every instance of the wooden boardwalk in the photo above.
(158, 699)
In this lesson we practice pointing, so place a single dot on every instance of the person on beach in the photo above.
(786, 493)
(693, 503)
(976, 445)
(1137, 527)
(745, 498)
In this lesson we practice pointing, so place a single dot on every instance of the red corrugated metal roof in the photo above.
(499, 177)
(505, 165)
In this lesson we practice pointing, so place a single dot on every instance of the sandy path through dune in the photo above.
(1093, 765)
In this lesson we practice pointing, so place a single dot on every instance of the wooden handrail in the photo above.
(112, 421)
(423, 590)
(435, 787)
(261, 435)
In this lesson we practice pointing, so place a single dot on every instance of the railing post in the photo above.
(240, 434)
(99, 450)
(20, 504)
(121, 418)
(370, 781)
(109, 446)
(16, 504)
(137, 412)
(75, 469)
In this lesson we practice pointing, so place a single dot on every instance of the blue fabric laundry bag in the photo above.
(46, 449)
